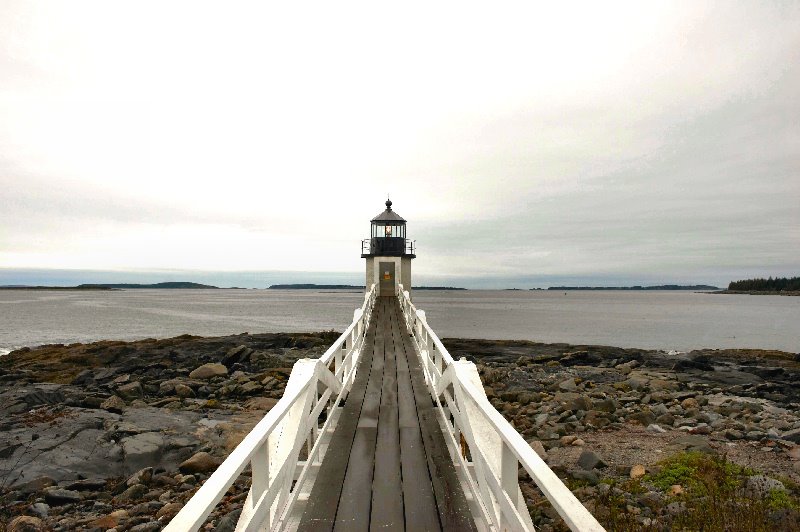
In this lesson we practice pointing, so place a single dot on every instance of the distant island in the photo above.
(637, 287)
(308, 286)
(781, 286)
(112, 286)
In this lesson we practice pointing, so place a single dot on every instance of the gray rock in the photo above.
(132, 390)
(151, 526)
(143, 476)
(113, 404)
(537, 446)
(181, 390)
(589, 460)
(655, 429)
(142, 450)
(588, 476)
(228, 522)
(26, 523)
(567, 385)
(39, 509)
(131, 494)
(60, 496)
(207, 371)
(792, 435)
(759, 486)
(201, 462)
(644, 417)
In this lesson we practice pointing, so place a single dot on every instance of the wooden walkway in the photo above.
(387, 466)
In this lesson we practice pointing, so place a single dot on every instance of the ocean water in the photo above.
(652, 320)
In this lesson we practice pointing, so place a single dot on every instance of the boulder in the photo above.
(132, 390)
(537, 446)
(567, 385)
(131, 494)
(207, 371)
(143, 476)
(589, 460)
(759, 486)
(142, 450)
(201, 462)
(169, 510)
(644, 417)
(792, 435)
(181, 390)
(26, 523)
(60, 496)
(637, 471)
(114, 404)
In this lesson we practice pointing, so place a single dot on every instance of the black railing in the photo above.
(389, 246)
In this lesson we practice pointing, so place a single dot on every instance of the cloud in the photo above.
(625, 140)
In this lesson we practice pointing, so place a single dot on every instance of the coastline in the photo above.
(147, 427)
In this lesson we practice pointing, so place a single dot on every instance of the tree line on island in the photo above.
(778, 284)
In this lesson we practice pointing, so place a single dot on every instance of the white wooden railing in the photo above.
(487, 449)
(273, 448)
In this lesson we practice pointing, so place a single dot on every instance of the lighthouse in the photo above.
(388, 253)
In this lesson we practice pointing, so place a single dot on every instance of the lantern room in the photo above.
(388, 253)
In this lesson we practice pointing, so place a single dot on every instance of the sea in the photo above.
(666, 320)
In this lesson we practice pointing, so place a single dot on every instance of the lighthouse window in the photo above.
(388, 230)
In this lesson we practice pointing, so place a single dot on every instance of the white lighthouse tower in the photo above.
(388, 253)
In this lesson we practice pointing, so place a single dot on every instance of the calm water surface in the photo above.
(654, 320)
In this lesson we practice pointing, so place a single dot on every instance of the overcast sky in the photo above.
(593, 142)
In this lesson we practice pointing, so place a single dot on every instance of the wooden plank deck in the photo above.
(387, 465)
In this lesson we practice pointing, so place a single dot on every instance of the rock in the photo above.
(90, 484)
(578, 443)
(207, 371)
(131, 390)
(637, 471)
(567, 385)
(113, 404)
(644, 417)
(228, 522)
(39, 509)
(250, 387)
(606, 405)
(152, 526)
(666, 419)
(567, 440)
(131, 494)
(112, 520)
(201, 462)
(675, 490)
(759, 486)
(689, 402)
(692, 442)
(142, 450)
(26, 523)
(588, 476)
(589, 460)
(792, 435)
(260, 403)
(60, 496)
(537, 446)
(169, 510)
(37, 484)
(143, 476)
(181, 390)
(656, 429)
(236, 354)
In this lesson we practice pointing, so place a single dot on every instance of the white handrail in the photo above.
(273, 446)
(495, 448)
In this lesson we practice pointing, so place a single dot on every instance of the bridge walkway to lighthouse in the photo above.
(387, 465)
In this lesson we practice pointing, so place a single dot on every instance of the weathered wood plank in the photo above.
(418, 501)
(387, 488)
(454, 512)
(321, 509)
(356, 497)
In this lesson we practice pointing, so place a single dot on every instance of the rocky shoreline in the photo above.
(119, 435)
